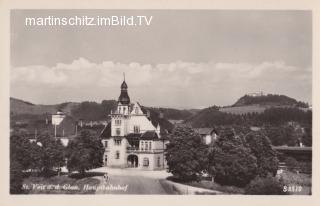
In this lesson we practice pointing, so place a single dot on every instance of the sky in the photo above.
(184, 59)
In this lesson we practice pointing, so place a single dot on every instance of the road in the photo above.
(128, 181)
(131, 185)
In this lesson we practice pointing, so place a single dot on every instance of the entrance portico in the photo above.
(132, 160)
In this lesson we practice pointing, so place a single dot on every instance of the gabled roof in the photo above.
(154, 117)
(205, 131)
(149, 135)
(106, 132)
(133, 136)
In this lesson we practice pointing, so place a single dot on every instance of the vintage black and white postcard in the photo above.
(138, 101)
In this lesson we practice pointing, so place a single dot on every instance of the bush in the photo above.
(291, 163)
(291, 178)
(265, 186)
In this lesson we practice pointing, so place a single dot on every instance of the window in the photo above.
(117, 155)
(145, 162)
(136, 129)
(118, 132)
(149, 145)
(105, 160)
(117, 141)
(117, 122)
(158, 162)
(105, 144)
(142, 145)
(136, 110)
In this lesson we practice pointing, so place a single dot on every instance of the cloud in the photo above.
(178, 83)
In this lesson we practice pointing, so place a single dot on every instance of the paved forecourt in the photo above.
(130, 181)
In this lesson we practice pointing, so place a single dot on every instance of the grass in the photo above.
(293, 179)
(59, 185)
(289, 179)
(243, 109)
(208, 184)
(215, 186)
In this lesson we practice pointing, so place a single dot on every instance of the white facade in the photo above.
(134, 141)
(57, 118)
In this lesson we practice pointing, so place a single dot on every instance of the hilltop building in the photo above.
(133, 137)
(256, 94)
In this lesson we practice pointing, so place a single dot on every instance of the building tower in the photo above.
(124, 99)
(120, 117)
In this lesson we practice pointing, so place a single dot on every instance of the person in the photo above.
(106, 177)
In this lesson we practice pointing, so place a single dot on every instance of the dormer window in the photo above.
(136, 109)
(136, 129)
(117, 142)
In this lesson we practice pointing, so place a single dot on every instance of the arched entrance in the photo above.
(132, 160)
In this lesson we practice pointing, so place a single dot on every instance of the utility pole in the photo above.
(55, 131)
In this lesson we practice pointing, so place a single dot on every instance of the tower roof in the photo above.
(124, 97)
(124, 85)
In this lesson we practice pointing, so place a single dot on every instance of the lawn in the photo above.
(58, 185)
(207, 184)
(300, 184)
(296, 180)
(215, 186)
(243, 109)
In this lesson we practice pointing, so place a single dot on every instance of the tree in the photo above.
(186, 154)
(281, 135)
(16, 177)
(230, 161)
(84, 153)
(19, 160)
(19, 151)
(307, 136)
(261, 147)
(52, 153)
(36, 156)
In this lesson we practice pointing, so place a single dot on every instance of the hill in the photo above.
(258, 104)
(269, 100)
(20, 107)
(253, 109)
(174, 114)
(211, 117)
(94, 111)
(85, 110)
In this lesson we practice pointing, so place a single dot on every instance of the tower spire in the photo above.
(124, 97)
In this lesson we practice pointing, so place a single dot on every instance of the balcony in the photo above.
(138, 150)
